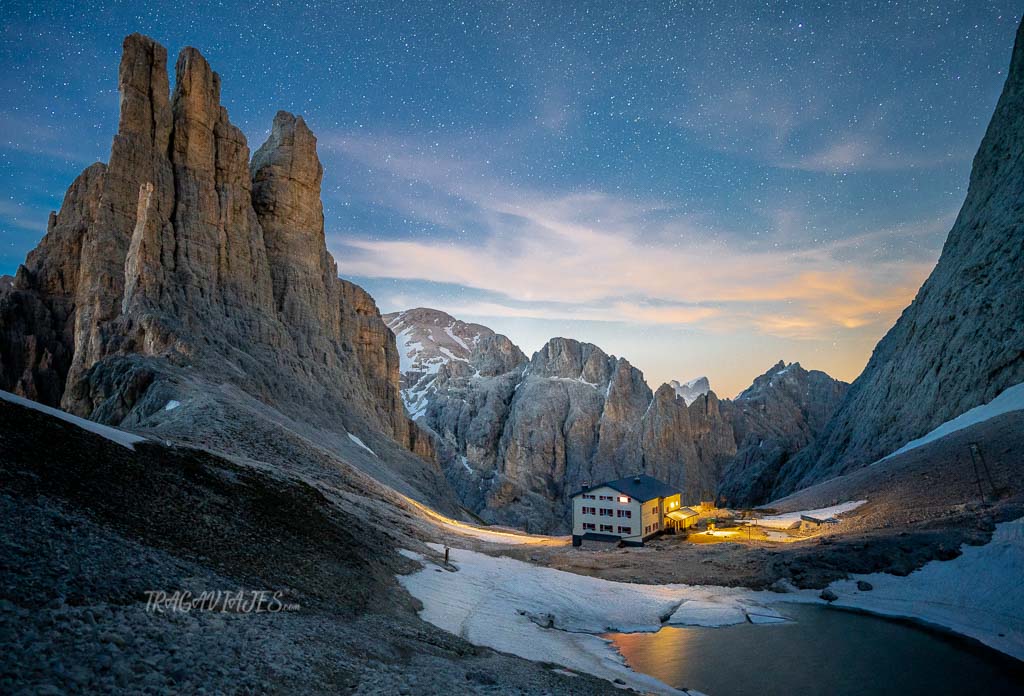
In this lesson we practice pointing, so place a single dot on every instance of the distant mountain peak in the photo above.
(689, 391)
(430, 341)
(429, 338)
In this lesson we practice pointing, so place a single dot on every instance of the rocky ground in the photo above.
(96, 526)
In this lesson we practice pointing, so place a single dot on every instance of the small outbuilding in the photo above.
(810, 524)
(684, 517)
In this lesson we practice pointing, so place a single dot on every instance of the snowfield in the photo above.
(549, 615)
(1011, 399)
(121, 437)
(791, 520)
(978, 594)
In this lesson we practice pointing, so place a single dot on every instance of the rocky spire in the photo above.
(219, 257)
(286, 175)
(167, 265)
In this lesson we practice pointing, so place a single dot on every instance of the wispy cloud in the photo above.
(590, 255)
(855, 153)
(44, 139)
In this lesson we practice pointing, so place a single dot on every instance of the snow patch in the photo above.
(452, 356)
(978, 594)
(689, 391)
(121, 437)
(790, 520)
(362, 444)
(1011, 399)
(550, 615)
(451, 335)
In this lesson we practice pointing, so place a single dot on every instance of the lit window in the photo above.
(623, 499)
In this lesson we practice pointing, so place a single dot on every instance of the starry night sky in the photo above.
(701, 187)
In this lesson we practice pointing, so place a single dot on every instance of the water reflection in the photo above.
(823, 651)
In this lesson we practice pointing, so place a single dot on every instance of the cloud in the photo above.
(590, 255)
(857, 153)
(23, 217)
(43, 138)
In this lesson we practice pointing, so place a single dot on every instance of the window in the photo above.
(606, 528)
(589, 511)
(623, 498)
(607, 512)
(654, 510)
(589, 497)
(607, 497)
(647, 529)
(588, 525)
(625, 513)
(625, 530)
(655, 526)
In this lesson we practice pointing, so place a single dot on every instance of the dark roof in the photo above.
(819, 520)
(641, 487)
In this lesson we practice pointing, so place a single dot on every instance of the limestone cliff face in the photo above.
(518, 436)
(776, 417)
(961, 342)
(183, 269)
(687, 444)
(518, 443)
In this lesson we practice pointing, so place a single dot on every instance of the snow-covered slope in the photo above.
(689, 391)
(977, 594)
(791, 520)
(1011, 399)
(429, 339)
(553, 616)
(125, 439)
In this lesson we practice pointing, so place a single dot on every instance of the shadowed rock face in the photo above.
(519, 436)
(776, 417)
(961, 342)
(181, 270)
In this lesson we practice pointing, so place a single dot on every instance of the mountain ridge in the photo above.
(516, 436)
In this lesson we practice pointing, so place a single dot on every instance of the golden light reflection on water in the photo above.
(820, 651)
(658, 654)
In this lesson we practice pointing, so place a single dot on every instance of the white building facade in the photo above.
(630, 510)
